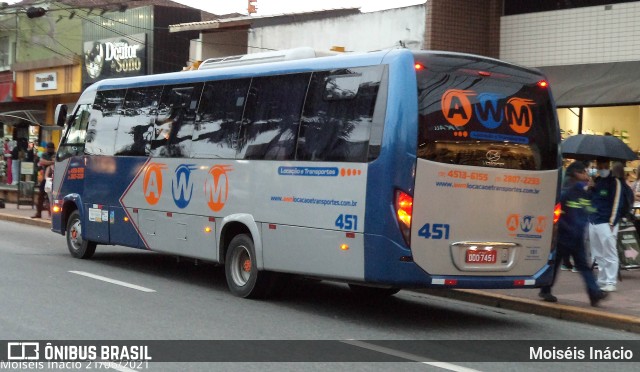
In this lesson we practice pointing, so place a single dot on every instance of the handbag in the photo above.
(48, 185)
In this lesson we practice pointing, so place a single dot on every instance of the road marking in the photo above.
(117, 367)
(408, 356)
(113, 281)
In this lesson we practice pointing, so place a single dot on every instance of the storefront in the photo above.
(598, 99)
(20, 120)
(47, 87)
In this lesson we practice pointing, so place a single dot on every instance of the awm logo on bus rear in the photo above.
(491, 109)
(526, 226)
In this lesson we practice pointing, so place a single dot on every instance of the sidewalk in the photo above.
(621, 310)
(23, 215)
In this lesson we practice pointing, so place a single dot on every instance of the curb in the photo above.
(26, 220)
(565, 312)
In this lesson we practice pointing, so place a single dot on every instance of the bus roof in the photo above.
(258, 58)
(279, 67)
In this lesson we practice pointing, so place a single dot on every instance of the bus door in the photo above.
(101, 168)
(69, 173)
(487, 169)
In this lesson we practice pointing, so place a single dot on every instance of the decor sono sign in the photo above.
(115, 57)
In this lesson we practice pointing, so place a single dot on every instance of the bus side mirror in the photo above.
(60, 115)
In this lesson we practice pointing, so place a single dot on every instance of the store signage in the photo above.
(46, 81)
(115, 57)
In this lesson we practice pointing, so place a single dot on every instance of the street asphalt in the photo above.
(621, 310)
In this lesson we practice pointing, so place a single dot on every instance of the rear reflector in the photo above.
(444, 281)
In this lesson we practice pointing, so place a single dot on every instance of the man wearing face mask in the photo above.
(607, 198)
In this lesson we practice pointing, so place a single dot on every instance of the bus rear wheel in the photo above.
(243, 277)
(78, 246)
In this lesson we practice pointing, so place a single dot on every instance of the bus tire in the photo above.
(78, 247)
(243, 277)
(373, 292)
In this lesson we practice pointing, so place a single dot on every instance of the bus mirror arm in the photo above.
(61, 115)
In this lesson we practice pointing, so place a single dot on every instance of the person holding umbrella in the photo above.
(608, 197)
(572, 224)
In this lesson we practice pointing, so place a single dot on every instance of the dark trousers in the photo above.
(574, 248)
(40, 199)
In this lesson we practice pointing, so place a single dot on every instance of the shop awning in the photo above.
(13, 117)
(602, 84)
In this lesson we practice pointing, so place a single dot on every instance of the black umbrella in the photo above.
(589, 147)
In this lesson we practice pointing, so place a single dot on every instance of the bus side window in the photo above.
(218, 120)
(272, 117)
(135, 127)
(106, 112)
(338, 114)
(73, 142)
(175, 120)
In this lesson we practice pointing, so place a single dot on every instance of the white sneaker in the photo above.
(608, 288)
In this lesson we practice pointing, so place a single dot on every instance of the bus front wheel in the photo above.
(78, 246)
(243, 277)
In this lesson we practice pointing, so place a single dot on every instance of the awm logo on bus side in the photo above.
(491, 110)
(216, 187)
(182, 185)
(152, 182)
(527, 226)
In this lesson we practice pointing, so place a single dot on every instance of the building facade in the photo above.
(51, 50)
(452, 25)
(588, 48)
(50, 58)
(590, 51)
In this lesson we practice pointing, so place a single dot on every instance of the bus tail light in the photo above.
(556, 213)
(404, 210)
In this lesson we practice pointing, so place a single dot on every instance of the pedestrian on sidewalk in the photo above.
(608, 197)
(572, 225)
(636, 199)
(6, 153)
(18, 154)
(45, 161)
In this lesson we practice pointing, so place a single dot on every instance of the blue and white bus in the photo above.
(384, 170)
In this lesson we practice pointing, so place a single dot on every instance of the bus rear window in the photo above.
(484, 113)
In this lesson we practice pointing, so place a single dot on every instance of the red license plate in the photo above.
(481, 257)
